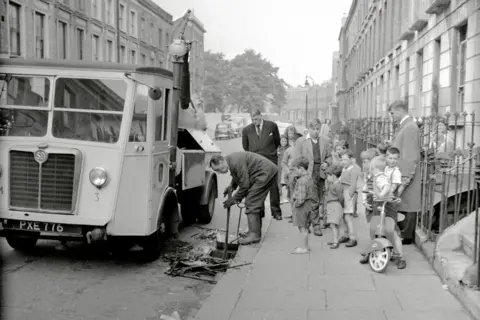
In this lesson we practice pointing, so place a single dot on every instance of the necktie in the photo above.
(258, 130)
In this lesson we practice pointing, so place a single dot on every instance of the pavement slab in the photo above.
(331, 285)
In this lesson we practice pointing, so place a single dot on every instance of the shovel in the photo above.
(224, 241)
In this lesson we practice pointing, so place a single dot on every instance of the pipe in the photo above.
(118, 31)
(177, 93)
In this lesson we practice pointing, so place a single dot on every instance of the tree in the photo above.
(253, 82)
(215, 86)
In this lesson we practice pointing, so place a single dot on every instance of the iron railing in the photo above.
(450, 167)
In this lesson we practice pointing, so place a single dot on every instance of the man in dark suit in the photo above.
(252, 177)
(262, 137)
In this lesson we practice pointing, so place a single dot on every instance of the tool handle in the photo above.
(225, 249)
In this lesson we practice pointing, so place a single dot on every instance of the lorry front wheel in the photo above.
(22, 241)
(206, 211)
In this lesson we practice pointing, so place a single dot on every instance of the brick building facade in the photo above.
(85, 30)
(423, 51)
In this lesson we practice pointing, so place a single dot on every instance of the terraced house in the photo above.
(85, 30)
(424, 51)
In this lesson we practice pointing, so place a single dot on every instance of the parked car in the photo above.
(239, 123)
(224, 130)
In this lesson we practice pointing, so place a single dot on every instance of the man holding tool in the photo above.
(254, 176)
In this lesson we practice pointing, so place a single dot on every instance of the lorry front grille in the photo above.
(45, 187)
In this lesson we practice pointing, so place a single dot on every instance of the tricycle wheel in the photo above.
(22, 241)
(379, 259)
(205, 214)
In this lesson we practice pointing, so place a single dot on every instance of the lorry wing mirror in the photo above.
(155, 93)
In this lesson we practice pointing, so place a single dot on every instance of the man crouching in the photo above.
(253, 175)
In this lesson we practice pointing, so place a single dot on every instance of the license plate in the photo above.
(41, 226)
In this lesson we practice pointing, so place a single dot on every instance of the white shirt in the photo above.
(394, 175)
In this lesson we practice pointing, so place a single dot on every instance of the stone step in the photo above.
(468, 245)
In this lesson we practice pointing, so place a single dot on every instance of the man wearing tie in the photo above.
(262, 137)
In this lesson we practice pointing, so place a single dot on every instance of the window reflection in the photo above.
(138, 129)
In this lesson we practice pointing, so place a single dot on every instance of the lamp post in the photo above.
(307, 84)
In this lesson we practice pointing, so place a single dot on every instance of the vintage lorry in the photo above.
(95, 150)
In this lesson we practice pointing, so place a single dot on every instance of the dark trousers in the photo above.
(319, 184)
(275, 196)
(255, 199)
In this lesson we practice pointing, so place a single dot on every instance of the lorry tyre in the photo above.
(205, 212)
(22, 241)
(189, 206)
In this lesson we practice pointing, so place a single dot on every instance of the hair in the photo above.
(291, 128)
(313, 123)
(349, 153)
(283, 136)
(393, 150)
(368, 154)
(256, 112)
(383, 147)
(334, 170)
(300, 162)
(398, 105)
(342, 143)
(216, 159)
(378, 163)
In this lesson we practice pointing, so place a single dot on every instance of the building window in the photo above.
(110, 11)
(110, 50)
(133, 23)
(461, 63)
(62, 40)
(39, 35)
(96, 9)
(81, 5)
(143, 36)
(123, 53)
(152, 62)
(134, 56)
(96, 47)
(123, 18)
(144, 59)
(152, 30)
(80, 44)
(160, 38)
(14, 28)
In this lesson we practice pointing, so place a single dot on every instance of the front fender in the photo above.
(210, 182)
(379, 244)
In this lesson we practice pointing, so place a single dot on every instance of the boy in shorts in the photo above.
(349, 179)
(305, 200)
(382, 193)
(393, 172)
(334, 200)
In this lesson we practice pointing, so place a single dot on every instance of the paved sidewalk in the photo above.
(326, 284)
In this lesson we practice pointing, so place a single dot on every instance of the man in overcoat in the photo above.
(317, 149)
(254, 176)
(407, 140)
(262, 137)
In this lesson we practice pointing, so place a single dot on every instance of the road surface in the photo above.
(79, 284)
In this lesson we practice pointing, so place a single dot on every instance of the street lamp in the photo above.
(307, 84)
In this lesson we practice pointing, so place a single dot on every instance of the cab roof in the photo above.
(83, 65)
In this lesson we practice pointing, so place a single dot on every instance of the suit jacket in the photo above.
(247, 169)
(407, 140)
(265, 145)
(303, 148)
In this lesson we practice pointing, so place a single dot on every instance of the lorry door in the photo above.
(160, 152)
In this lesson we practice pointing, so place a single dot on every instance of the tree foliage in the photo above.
(248, 82)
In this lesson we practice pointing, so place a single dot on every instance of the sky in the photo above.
(297, 36)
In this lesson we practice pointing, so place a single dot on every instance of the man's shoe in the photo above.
(317, 230)
(277, 217)
(351, 243)
(401, 263)
(364, 259)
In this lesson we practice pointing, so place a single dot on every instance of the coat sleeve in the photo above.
(328, 151)
(276, 135)
(245, 139)
(410, 153)
(242, 180)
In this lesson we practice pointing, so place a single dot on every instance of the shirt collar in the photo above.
(404, 118)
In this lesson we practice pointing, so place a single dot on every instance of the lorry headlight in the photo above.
(98, 177)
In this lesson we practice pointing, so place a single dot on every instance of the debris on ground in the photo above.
(197, 263)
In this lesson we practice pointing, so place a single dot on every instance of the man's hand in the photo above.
(324, 166)
(367, 206)
(229, 202)
(227, 190)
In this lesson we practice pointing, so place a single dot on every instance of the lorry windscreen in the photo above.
(24, 106)
(88, 109)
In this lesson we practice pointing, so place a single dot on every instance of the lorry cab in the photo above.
(87, 154)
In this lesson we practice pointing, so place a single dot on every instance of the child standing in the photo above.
(288, 176)
(349, 178)
(393, 172)
(382, 193)
(334, 199)
(305, 200)
(281, 153)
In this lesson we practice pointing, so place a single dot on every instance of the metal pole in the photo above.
(118, 31)
(306, 109)
(177, 92)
